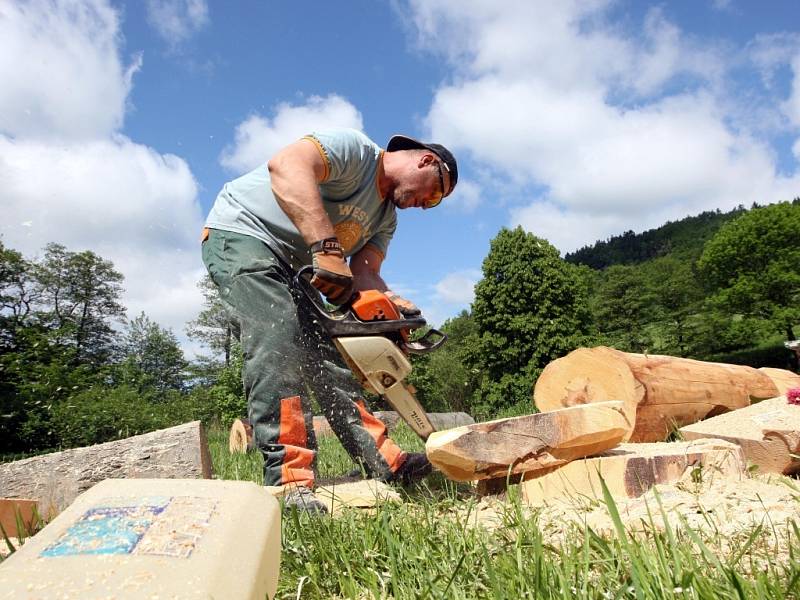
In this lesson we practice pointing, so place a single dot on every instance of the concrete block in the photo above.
(153, 538)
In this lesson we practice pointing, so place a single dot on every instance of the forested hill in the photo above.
(682, 238)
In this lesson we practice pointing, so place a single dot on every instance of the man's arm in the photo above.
(366, 267)
(295, 172)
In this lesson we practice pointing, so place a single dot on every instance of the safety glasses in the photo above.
(436, 199)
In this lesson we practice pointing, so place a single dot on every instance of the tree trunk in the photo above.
(530, 443)
(660, 393)
(56, 479)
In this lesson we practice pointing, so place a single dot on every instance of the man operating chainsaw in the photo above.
(329, 197)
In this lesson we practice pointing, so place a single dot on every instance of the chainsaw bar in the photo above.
(402, 399)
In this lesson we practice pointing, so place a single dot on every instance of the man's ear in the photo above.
(425, 159)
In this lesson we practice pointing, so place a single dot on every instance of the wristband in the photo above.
(329, 245)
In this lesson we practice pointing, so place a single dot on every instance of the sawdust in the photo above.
(724, 512)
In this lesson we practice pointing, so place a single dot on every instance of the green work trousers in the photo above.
(287, 355)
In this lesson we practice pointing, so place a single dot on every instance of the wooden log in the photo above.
(768, 432)
(783, 379)
(528, 443)
(154, 538)
(629, 470)
(661, 393)
(240, 439)
(56, 479)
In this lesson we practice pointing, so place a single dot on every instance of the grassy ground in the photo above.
(429, 547)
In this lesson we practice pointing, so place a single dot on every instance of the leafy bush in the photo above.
(102, 414)
(773, 355)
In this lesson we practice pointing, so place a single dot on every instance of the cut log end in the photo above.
(241, 437)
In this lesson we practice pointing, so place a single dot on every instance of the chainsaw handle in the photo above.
(432, 340)
(342, 322)
(310, 291)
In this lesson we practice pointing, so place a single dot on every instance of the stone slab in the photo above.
(153, 538)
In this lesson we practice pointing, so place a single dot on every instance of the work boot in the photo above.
(414, 467)
(304, 500)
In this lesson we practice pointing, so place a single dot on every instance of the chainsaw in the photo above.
(374, 339)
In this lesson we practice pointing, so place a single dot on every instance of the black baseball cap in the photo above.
(403, 142)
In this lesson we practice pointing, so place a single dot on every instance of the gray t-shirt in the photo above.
(349, 192)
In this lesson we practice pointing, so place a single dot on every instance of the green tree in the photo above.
(530, 308)
(212, 327)
(79, 293)
(622, 305)
(443, 379)
(154, 361)
(752, 266)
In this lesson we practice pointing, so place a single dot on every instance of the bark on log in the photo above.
(529, 443)
(783, 379)
(661, 393)
(56, 479)
(768, 432)
(629, 470)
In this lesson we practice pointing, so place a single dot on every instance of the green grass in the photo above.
(429, 547)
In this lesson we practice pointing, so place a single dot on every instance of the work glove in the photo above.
(406, 307)
(332, 276)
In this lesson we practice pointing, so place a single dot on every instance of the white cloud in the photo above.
(119, 199)
(177, 20)
(66, 173)
(792, 105)
(60, 69)
(458, 287)
(257, 138)
(560, 100)
(466, 197)
(449, 296)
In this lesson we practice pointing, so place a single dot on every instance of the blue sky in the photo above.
(119, 121)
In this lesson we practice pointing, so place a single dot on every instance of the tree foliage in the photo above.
(212, 327)
(752, 265)
(530, 308)
(153, 360)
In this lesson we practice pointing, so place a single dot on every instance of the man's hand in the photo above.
(406, 307)
(332, 276)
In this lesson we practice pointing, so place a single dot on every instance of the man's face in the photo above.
(421, 184)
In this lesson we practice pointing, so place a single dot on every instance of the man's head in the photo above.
(419, 173)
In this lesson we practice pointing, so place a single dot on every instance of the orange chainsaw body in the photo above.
(372, 305)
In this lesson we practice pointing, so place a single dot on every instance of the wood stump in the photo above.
(240, 439)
